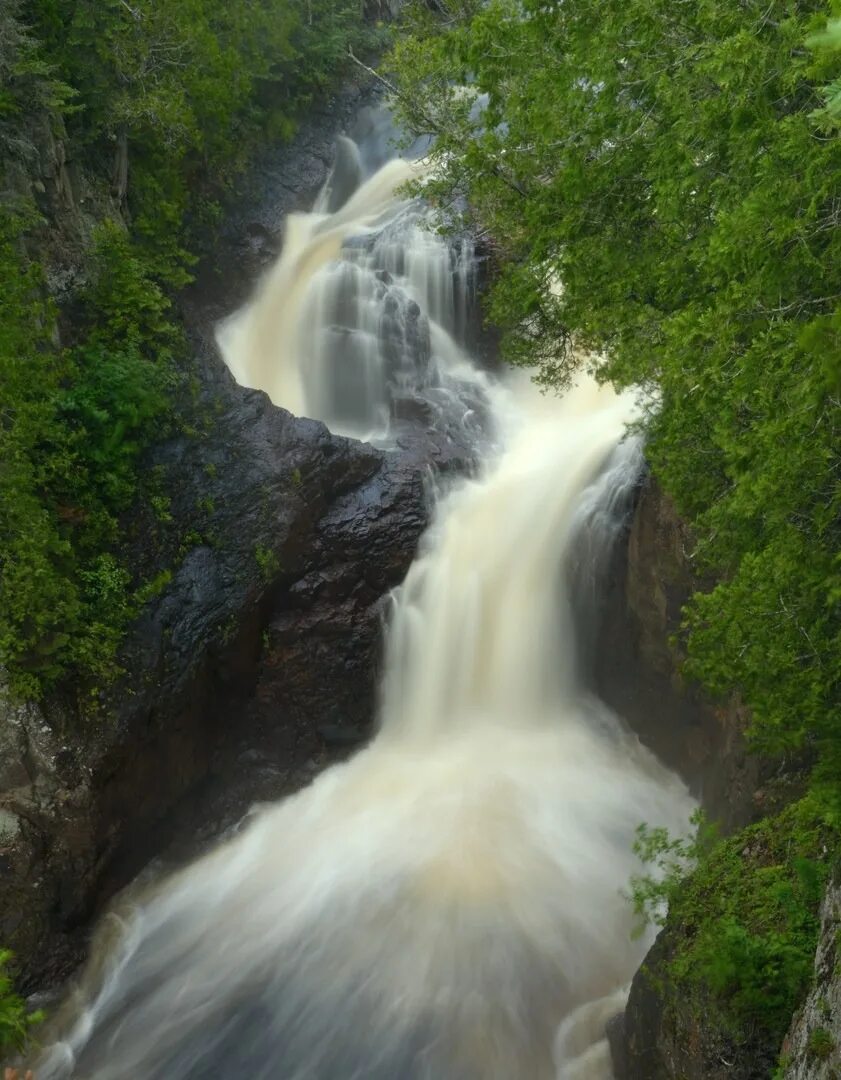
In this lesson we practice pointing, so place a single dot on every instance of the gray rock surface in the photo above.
(812, 1048)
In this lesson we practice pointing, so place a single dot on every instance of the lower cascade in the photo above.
(448, 904)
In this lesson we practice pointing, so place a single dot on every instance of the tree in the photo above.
(665, 162)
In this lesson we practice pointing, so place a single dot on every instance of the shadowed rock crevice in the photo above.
(638, 669)
(310, 531)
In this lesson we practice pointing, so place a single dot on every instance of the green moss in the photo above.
(191, 539)
(161, 508)
(153, 588)
(820, 1044)
(268, 562)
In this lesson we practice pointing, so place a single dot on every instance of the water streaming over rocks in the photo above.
(447, 904)
(359, 321)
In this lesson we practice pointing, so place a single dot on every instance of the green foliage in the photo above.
(827, 42)
(187, 87)
(268, 562)
(676, 167)
(28, 85)
(75, 423)
(153, 587)
(176, 94)
(820, 1044)
(745, 921)
(16, 1021)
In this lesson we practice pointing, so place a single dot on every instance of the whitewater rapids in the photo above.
(447, 905)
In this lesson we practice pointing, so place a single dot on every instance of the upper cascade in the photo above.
(361, 320)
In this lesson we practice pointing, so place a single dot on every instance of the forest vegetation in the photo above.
(662, 184)
(171, 97)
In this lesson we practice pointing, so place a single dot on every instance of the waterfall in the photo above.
(446, 905)
(366, 306)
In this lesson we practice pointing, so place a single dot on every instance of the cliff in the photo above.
(272, 548)
(695, 1029)
(638, 669)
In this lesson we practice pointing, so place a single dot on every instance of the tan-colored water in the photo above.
(446, 905)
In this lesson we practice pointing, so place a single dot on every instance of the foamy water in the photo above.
(447, 905)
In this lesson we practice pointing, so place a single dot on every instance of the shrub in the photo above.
(16, 1021)
(743, 913)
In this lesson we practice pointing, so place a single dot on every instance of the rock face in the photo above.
(704, 741)
(678, 1040)
(276, 613)
(654, 1043)
(812, 1048)
(320, 666)
(662, 1036)
(638, 670)
(256, 662)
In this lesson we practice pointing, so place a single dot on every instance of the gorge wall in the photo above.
(663, 1035)
(638, 667)
(280, 544)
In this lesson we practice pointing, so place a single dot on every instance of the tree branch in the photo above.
(433, 126)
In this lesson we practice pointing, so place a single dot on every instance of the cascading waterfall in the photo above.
(447, 905)
(363, 312)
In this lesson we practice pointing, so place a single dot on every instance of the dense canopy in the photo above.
(675, 168)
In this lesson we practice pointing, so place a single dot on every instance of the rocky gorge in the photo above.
(268, 631)
(258, 662)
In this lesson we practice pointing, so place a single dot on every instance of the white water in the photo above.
(446, 905)
(364, 305)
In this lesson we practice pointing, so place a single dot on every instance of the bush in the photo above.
(16, 1022)
(743, 914)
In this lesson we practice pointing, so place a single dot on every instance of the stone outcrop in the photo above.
(812, 1047)
(638, 673)
(662, 1036)
(653, 1042)
(679, 1038)
(638, 669)
(274, 610)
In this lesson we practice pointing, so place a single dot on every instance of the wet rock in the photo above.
(345, 176)
(669, 1035)
(638, 671)
(321, 662)
(663, 1035)
(341, 735)
(276, 622)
